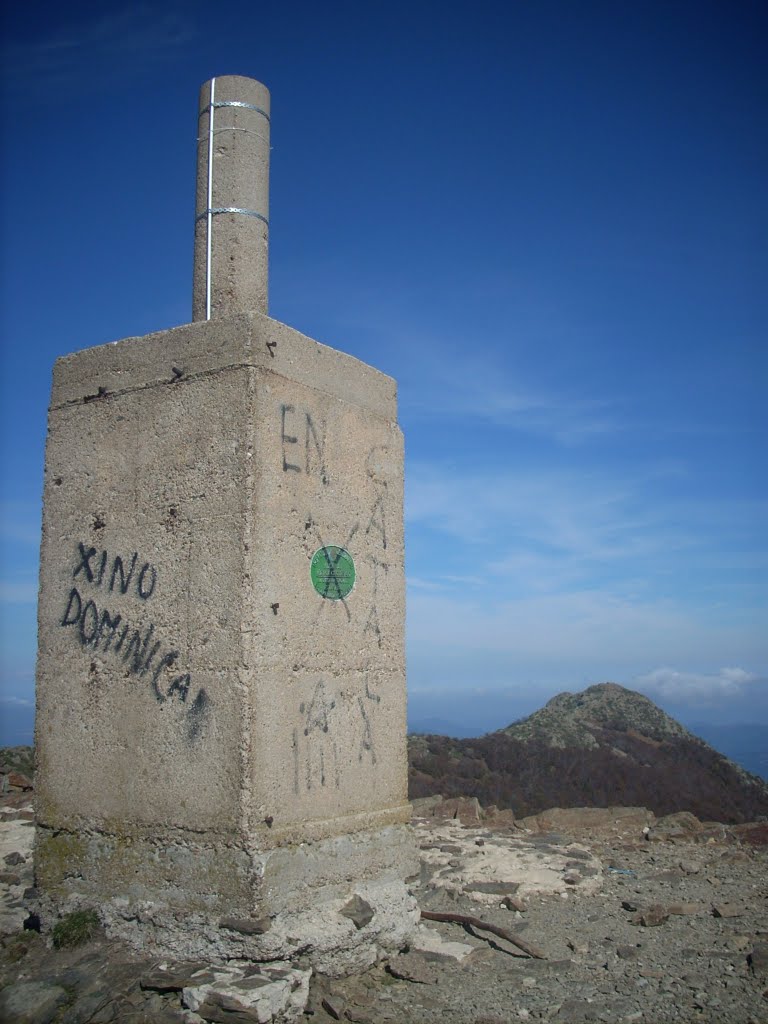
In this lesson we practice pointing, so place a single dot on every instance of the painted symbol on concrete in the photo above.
(332, 572)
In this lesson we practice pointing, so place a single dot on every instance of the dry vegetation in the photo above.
(605, 747)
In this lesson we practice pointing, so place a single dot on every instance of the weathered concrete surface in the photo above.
(316, 932)
(202, 709)
(239, 168)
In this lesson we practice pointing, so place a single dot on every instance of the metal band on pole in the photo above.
(232, 209)
(238, 103)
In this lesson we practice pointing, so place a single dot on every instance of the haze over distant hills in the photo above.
(747, 745)
(742, 740)
(604, 746)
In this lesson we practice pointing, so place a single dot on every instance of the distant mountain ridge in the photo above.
(604, 746)
(572, 719)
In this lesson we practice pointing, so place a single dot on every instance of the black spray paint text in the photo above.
(313, 461)
(142, 653)
(123, 574)
(138, 649)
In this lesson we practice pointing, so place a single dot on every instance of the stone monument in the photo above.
(220, 732)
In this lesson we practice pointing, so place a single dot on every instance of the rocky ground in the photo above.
(628, 919)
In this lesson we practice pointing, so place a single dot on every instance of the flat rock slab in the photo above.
(277, 992)
(171, 977)
(246, 926)
(358, 910)
(569, 819)
(727, 910)
(510, 864)
(758, 959)
(654, 916)
(428, 940)
(493, 888)
(685, 909)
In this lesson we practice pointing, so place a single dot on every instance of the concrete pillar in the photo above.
(221, 730)
(221, 681)
(232, 198)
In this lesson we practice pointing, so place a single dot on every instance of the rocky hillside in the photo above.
(17, 759)
(604, 746)
(580, 719)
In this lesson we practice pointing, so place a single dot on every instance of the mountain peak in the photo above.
(577, 719)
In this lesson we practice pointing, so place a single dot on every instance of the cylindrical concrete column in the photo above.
(232, 212)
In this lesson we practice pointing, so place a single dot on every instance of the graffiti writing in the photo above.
(378, 525)
(372, 624)
(321, 761)
(366, 745)
(135, 645)
(377, 522)
(313, 462)
(316, 759)
(317, 711)
(93, 566)
(104, 630)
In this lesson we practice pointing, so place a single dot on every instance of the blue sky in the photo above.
(546, 220)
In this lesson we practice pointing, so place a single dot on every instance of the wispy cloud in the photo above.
(443, 383)
(18, 701)
(417, 583)
(464, 374)
(589, 626)
(547, 528)
(589, 575)
(19, 544)
(444, 582)
(17, 688)
(556, 529)
(136, 35)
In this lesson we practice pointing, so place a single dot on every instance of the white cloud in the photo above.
(557, 530)
(19, 701)
(585, 576)
(588, 632)
(692, 687)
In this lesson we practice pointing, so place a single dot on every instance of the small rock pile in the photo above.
(17, 819)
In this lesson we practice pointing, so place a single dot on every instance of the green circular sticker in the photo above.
(332, 572)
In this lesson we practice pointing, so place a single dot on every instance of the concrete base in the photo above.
(191, 900)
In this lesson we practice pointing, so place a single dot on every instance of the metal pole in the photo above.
(210, 203)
